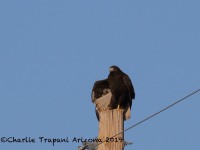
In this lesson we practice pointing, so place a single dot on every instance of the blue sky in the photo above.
(51, 53)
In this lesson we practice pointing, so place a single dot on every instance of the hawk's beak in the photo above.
(111, 69)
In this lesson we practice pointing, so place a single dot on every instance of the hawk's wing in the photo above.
(129, 85)
(100, 89)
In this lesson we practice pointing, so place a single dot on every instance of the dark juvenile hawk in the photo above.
(119, 84)
(121, 88)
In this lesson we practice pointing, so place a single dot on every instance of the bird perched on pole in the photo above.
(120, 86)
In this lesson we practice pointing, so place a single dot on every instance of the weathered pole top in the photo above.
(103, 102)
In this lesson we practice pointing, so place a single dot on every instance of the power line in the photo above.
(153, 115)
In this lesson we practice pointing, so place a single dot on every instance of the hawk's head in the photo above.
(114, 69)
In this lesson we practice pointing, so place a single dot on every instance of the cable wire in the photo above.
(151, 116)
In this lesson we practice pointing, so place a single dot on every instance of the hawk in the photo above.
(120, 86)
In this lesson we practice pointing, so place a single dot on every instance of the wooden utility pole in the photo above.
(111, 122)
